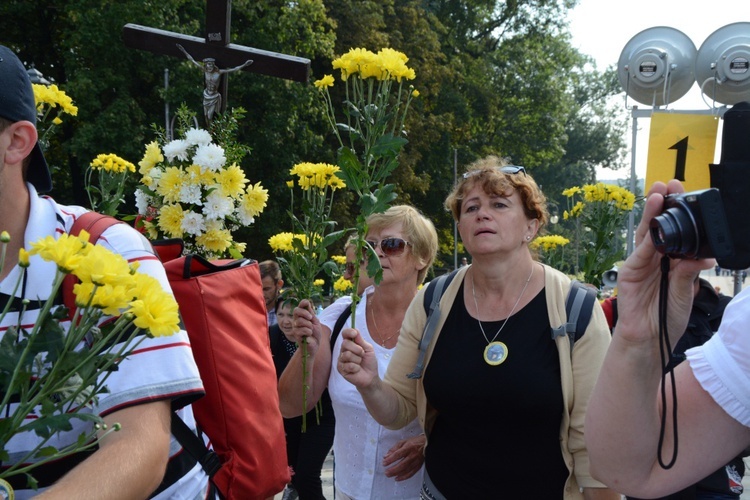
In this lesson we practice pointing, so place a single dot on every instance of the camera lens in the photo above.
(674, 233)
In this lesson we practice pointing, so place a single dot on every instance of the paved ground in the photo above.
(726, 284)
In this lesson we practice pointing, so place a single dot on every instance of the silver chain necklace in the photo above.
(496, 352)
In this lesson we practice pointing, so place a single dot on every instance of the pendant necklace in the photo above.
(496, 352)
(375, 324)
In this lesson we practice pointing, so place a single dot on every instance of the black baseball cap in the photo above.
(17, 104)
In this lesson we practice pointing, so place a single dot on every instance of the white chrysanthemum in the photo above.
(217, 206)
(176, 149)
(191, 194)
(214, 225)
(210, 156)
(198, 137)
(142, 201)
(193, 223)
(244, 216)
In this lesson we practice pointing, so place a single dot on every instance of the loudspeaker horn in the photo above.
(657, 66)
(722, 66)
(609, 278)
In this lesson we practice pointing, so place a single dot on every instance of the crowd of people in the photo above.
(491, 405)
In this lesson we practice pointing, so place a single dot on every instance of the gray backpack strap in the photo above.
(579, 307)
(432, 295)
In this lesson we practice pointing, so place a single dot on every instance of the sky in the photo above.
(602, 29)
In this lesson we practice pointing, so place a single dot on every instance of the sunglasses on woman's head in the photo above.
(508, 169)
(390, 246)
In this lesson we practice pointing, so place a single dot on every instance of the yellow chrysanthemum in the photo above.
(317, 175)
(231, 181)
(215, 240)
(154, 309)
(111, 299)
(571, 191)
(151, 157)
(319, 282)
(112, 163)
(415, 93)
(66, 252)
(255, 199)
(170, 220)
(53, 97)
(170, 184)
(392, 64)
(281, 242)
(326, 81)
(103, 267)
(342, 285)
(203, 176)
(356, 61)
(339, 259)
(549, 242)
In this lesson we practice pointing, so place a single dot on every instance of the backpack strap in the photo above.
(340, 325)
(95, 224)
(579, 307)
(194, 445)
(433, 294)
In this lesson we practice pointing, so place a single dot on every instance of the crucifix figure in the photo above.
(212, 75)
(216, 50)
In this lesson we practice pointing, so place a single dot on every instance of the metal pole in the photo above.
(737, 275)
(166, 104)
(633, 179)
(455, 224)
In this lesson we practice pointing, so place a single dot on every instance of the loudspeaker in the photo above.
(722, 65)
(609, 278)
(657, 66)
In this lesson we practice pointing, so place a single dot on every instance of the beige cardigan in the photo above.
(577, 380)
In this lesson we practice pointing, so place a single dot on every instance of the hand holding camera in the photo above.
(639, 277)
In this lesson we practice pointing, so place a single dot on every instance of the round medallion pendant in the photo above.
(6, 490)
(495, 353)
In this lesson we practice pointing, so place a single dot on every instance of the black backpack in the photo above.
(579, 306)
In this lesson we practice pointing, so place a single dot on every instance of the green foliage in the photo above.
(494, 77)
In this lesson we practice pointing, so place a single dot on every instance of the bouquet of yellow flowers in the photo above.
(599, 211)
(56, 369)
(190, 190)
(371, 135)
(551, 249)
(106, 179)
(51, 103)
(303, 254)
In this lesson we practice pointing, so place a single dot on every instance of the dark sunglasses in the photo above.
(508, 169)
(390, 246)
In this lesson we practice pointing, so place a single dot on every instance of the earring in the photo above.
(528, 237)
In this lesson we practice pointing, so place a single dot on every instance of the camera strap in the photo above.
(665, 350)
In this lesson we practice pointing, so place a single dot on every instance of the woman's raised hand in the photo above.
(306, 325)
(357, 362)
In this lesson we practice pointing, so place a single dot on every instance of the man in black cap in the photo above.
(142, 459)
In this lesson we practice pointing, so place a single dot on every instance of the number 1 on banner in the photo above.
(681, 146)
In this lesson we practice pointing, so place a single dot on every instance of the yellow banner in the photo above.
(680, 147)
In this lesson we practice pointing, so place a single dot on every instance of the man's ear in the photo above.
(280, 284)
(23, 137)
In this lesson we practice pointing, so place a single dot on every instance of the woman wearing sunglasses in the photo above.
(501, 402)
(370, 460)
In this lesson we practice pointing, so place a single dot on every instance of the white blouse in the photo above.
(360, 443)
(722, 365)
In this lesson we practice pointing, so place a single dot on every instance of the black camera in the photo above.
(692, 226)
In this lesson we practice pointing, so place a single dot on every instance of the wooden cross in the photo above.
(216, 45)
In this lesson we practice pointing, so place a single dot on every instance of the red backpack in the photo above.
(222, 308)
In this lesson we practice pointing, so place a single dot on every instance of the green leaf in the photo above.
(387, 145)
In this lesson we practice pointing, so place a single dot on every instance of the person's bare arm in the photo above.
(623, 416)
(130, 463)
